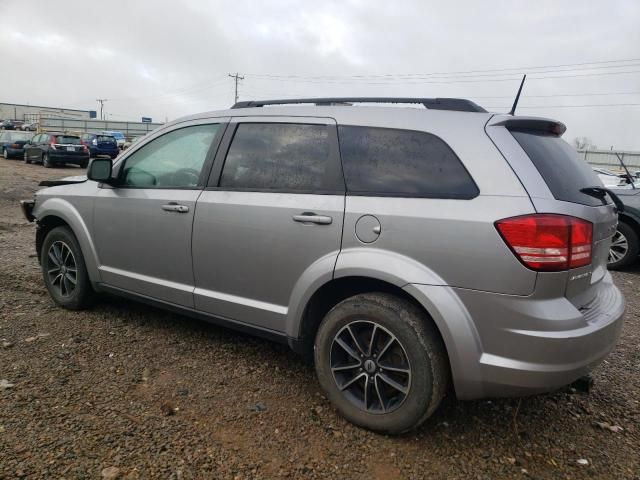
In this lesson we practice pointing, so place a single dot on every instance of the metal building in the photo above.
(30, 113)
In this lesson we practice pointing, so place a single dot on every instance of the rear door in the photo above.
(272, 211)
(553, 174)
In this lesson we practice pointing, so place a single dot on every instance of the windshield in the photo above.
(67, 140)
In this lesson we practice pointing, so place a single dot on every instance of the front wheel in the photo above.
(381, 361)
(26, 158)
(624, 248)
(64, 271)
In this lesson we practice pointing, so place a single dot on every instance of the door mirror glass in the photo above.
(99, 170)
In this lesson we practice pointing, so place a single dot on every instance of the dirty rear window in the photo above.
(105, 139)
(559, 165)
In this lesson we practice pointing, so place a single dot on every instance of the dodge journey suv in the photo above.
(406, 250)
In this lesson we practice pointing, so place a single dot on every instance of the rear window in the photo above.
(404, 163)
(559, 165)
(67, 140)
(105, 139)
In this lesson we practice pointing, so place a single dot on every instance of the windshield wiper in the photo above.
(600, 193)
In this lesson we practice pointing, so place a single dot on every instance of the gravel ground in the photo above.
(128, 391)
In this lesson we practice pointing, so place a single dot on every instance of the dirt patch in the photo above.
(90, 391)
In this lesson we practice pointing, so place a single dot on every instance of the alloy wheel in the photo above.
(370, 367)
(62, 269)
(619, 247)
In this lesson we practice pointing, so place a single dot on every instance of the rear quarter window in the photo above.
(404, 163)
(564, 172)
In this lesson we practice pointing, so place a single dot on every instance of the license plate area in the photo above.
(71, 149)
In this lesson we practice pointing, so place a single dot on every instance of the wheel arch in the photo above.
(56, 212)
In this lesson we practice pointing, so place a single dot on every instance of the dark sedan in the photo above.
(56, 149)
(12, 143)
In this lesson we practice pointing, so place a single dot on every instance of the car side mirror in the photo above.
(100, 170)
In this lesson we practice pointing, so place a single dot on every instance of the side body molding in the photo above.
(58, 207)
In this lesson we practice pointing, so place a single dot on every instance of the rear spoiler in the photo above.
(538, 124)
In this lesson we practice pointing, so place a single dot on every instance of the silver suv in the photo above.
(404, 249)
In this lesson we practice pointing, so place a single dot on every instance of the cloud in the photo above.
(168, 59)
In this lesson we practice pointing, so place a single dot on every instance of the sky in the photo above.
(165, 59)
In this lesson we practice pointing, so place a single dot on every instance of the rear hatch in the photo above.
(106, 142)
(69, 144)
(554, 175)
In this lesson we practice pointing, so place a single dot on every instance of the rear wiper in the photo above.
(600, 193)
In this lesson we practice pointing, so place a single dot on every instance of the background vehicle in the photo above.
(56, 149)
(119, 136)
(413, 269)
(99, 144)
(612, 179)
(12, 143)
(29, 127)
(129, 143)
(11, 125)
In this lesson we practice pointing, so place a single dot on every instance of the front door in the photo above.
(273, 210)
(143, 226)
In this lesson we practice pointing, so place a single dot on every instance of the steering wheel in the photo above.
(186, 177)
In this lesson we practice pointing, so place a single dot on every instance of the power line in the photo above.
(573, 106)
(456, 73)
(414, 81)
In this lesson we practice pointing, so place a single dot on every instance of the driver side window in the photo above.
(173, 160)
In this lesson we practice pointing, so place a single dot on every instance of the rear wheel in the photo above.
(625, 247)
(46, 161)
(5, 154)
(26, 158)
(64, 271)
(84, 164)
(381, 362)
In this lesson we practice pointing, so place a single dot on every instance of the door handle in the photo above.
(174, 207)
(309, 217)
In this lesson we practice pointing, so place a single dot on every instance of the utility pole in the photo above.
(101, 102)
(236, 77)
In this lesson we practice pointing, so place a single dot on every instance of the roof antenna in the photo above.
(515, 104)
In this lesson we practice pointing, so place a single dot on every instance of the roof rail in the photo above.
(456, 104)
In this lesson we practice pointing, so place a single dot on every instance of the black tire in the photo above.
(26, 158)
(84, 164)
(78, 296)
(416, 337)
(619, 257)
(5, 154)
(46, 162)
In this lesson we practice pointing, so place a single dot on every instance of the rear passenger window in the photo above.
(405, 163)
(278, 156)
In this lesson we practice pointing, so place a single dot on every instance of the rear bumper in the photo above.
(525, 345)
(104, 151)
(68, 157)
(15, 151)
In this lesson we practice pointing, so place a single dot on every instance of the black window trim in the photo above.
(206, 166)
(334, 172)
(451, 196)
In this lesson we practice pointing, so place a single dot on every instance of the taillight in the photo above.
(52, 143)
(548, 242)
(14, 145)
